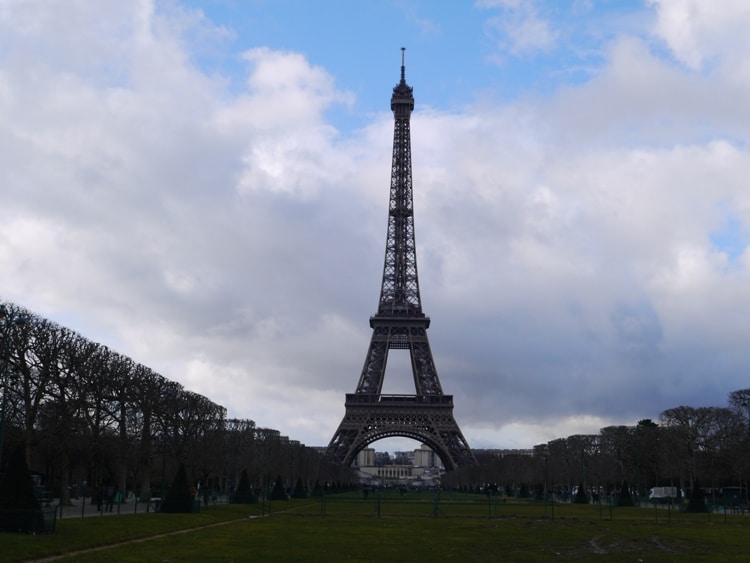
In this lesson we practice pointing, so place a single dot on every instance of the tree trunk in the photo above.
(144, 457)
(122, 465)
(64, 473)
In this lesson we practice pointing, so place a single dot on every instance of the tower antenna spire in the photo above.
(403, 67)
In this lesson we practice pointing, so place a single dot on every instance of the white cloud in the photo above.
(234, 240)
(501, 3)
(699, 32)
(519, 29)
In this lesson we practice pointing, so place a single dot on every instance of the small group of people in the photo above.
(107, 497)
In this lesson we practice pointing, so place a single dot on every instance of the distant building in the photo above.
(366, 458)
(388, 473)
(416, 469)
(503, 453)
(425, 457)
(382, 458)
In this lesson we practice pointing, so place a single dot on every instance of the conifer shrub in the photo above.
(697, 502)
(625, 498)
(179, 496)
(580, 496)
(300, 491)
(244, 493)
(278, 492)
(19, 509)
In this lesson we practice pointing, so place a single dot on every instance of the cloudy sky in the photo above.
(202, 185)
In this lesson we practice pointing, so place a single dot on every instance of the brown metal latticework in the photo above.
(426, 416)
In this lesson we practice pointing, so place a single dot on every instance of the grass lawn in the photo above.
(415, 527)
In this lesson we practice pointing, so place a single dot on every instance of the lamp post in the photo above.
(10, 321)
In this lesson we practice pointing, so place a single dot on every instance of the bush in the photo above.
(580, 497)
(179, 496)
(19, 508)
(625, 498)
(244, 493)
(697, 502)
(300, 491)
(278, 492)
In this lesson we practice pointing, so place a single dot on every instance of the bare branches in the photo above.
(87, 410)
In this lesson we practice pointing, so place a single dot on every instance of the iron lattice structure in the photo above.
(427, 415)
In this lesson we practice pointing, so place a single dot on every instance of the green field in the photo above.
(392, 527)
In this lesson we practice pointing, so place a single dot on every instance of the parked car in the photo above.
(664, 494)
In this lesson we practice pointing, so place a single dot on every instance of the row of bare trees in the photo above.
(89, 416)
(705, 447)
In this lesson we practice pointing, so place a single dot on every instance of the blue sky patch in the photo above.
(731, 238)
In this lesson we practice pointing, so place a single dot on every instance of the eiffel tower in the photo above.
(427, 415)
